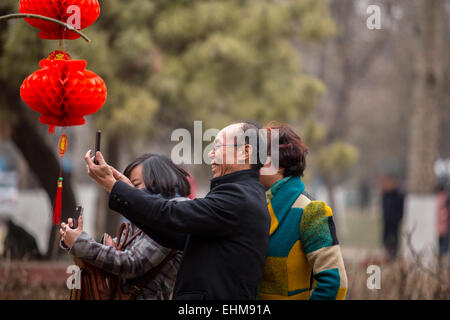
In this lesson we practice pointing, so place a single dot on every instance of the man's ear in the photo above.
(246, 152)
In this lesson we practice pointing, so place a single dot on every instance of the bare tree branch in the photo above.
(418, 259)
(37, 16)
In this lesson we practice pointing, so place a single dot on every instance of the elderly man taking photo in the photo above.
(224, 235)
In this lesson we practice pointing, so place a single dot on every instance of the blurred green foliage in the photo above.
(335, 158)
(231, 60)
(171, 62)
(168, 63)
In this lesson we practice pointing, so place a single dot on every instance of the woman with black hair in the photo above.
(159, 176)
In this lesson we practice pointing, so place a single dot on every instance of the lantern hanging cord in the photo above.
(60, 166)
(37, 16)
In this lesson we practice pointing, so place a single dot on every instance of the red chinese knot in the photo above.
(62, 145)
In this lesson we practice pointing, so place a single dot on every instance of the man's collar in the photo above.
(235, 176)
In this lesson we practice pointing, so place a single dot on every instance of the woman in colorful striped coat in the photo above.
(304, 259)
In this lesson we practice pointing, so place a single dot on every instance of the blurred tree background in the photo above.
(312, 63)
(166, 64)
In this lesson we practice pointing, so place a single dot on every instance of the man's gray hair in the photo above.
(250, 133)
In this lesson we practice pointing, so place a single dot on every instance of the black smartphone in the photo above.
(97, 144)
(76, 215)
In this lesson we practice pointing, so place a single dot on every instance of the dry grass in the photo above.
(26, 281)
(400, 280)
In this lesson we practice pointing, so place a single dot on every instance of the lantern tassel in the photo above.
(51, 129)
(58, 203)
(62, 145)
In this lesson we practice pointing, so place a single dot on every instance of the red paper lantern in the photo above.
(66, 11)
(63, 91)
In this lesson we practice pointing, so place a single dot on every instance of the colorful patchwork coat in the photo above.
(304, 259)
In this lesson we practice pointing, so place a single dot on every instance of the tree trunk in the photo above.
(424, 127)
(44, 164)
(343, 12)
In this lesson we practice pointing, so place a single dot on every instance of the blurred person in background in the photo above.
(447, 204)
(161, 178)
(16, 243)
(364, 195)
(443, 202)
(392, 206)
(305, 259)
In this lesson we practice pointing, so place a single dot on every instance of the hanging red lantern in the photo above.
(78, 13)
(63, 91)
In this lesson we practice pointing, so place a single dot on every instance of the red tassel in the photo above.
(51, 129)
(58, 203)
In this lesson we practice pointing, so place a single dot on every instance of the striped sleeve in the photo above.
(140, 256)
(320, 244)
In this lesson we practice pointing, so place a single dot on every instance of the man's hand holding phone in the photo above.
(104, 174)
(100, 171)
(97, 144)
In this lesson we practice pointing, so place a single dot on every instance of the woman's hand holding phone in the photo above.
(69, 235)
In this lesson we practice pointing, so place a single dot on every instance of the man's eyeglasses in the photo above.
(217, 146)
